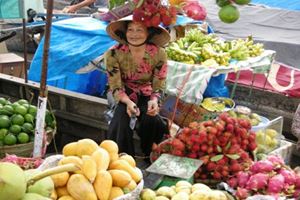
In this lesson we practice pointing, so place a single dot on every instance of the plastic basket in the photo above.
(22, 150)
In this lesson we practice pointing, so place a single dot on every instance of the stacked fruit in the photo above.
(183, 190)
(17, 122)
(254, 118)
(102, 174)
(267, 140)
(152, 13)
(267, 177)
(208, 50)
(224, 145)
(228, 12)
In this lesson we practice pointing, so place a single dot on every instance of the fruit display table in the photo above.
(193, 80)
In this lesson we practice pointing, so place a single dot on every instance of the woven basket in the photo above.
(23, 150)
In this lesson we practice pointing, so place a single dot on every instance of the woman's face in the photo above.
(136, 33)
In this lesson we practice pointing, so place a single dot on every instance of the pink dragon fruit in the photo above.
(194, 10)
(242, 178)
(242, 193)
(289, 176)
(276, 184)
(297, 182)
(232, 182)
(261, 166)
(276, 160)
(257, 181)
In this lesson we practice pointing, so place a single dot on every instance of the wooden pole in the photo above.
(40, 136)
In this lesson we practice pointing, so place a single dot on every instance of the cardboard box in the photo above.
(11, 64)
(185, 112)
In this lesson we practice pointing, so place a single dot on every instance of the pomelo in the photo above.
(4, 121)
(23, 101)
(10, 139)
(229, 14)
(3, 101)
(20, 109)
(17, 119)
(23, 138)
(222, 3)
(3, 133)
(12, 181)
(15, 129)
(34, 196)
(27, 127)
(242, 2)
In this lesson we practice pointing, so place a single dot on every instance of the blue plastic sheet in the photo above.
(285, 4)
(74, 42)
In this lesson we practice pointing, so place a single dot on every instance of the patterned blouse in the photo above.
(146, 78)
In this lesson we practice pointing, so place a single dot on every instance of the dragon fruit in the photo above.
(194, 10)
(289, 176)
(257, 181)
(297, 182)
(232, 182)
(276, 160)
(276, 184)
(242, 178)
(261, 166)
(242, 193)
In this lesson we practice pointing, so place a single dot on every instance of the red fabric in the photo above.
(282, 79)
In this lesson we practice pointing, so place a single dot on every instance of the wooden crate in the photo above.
(11, 64)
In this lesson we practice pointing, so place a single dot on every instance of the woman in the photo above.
(137, 69)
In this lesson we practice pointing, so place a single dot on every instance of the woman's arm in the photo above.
(74, 8)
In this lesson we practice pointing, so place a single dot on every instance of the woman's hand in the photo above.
(132, 109)
(152, 108)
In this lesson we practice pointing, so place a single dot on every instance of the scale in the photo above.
(169, 169)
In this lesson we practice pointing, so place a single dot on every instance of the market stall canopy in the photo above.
(292, 5)
(278, 29)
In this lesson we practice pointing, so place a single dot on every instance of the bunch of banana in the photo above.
(195, 35)
(254, 49)
(184, 51)
(214, 51)
(239, 50)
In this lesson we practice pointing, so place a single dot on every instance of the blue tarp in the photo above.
(285, 4)
(74, 43)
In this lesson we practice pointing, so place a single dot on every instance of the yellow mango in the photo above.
(101, 157)
(110, 146)
(113, 157)
(71, 159)
(103, 184)
(89, 168)
(70, 149)
(60, 179)
(120, 178)
(131, 186)
(115, 192)
(62, 191)
(129, 159)
(66, 197)
(86, 147)
(80, 188)
(123, 165)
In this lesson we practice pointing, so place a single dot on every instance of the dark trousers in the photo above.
(150, 129)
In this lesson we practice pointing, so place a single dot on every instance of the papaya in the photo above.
(60, 179)
(86, 147)
(129, 159)
(120, 178)
(62, 191)
(110, 146)
(115, 192)
(123, 165)
(66, 197)
(80, 188)
(89, 168)
(131, 186)
(70, 149)
(103, 184)
(101, 157)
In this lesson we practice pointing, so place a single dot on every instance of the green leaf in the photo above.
(140, 3)
(219, 149)
(233, 156)
(228, 145)
(217, 158)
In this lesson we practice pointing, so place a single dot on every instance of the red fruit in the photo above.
(252, 146)
(227, 134)
(232, 182)
(211, 166)
(222, 162)
(244, 123)
(203, 176)
(230, 128)
(208, 123)
(193, 125)
(177, 153)
(223, 116)
(251, 137)
(205, 159)
(216, 142)
(224, 173)
(195, 148)
(166, 20)
(204, 147)
(155, 20)
(210, 137)
(177, 144)
(211, 130)
(202, 136)
(217, 175)
(244, 155)
(236, 167)
(219, 126)
(245, 142)
(210, 149)
(192, 155)
(194, 132)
